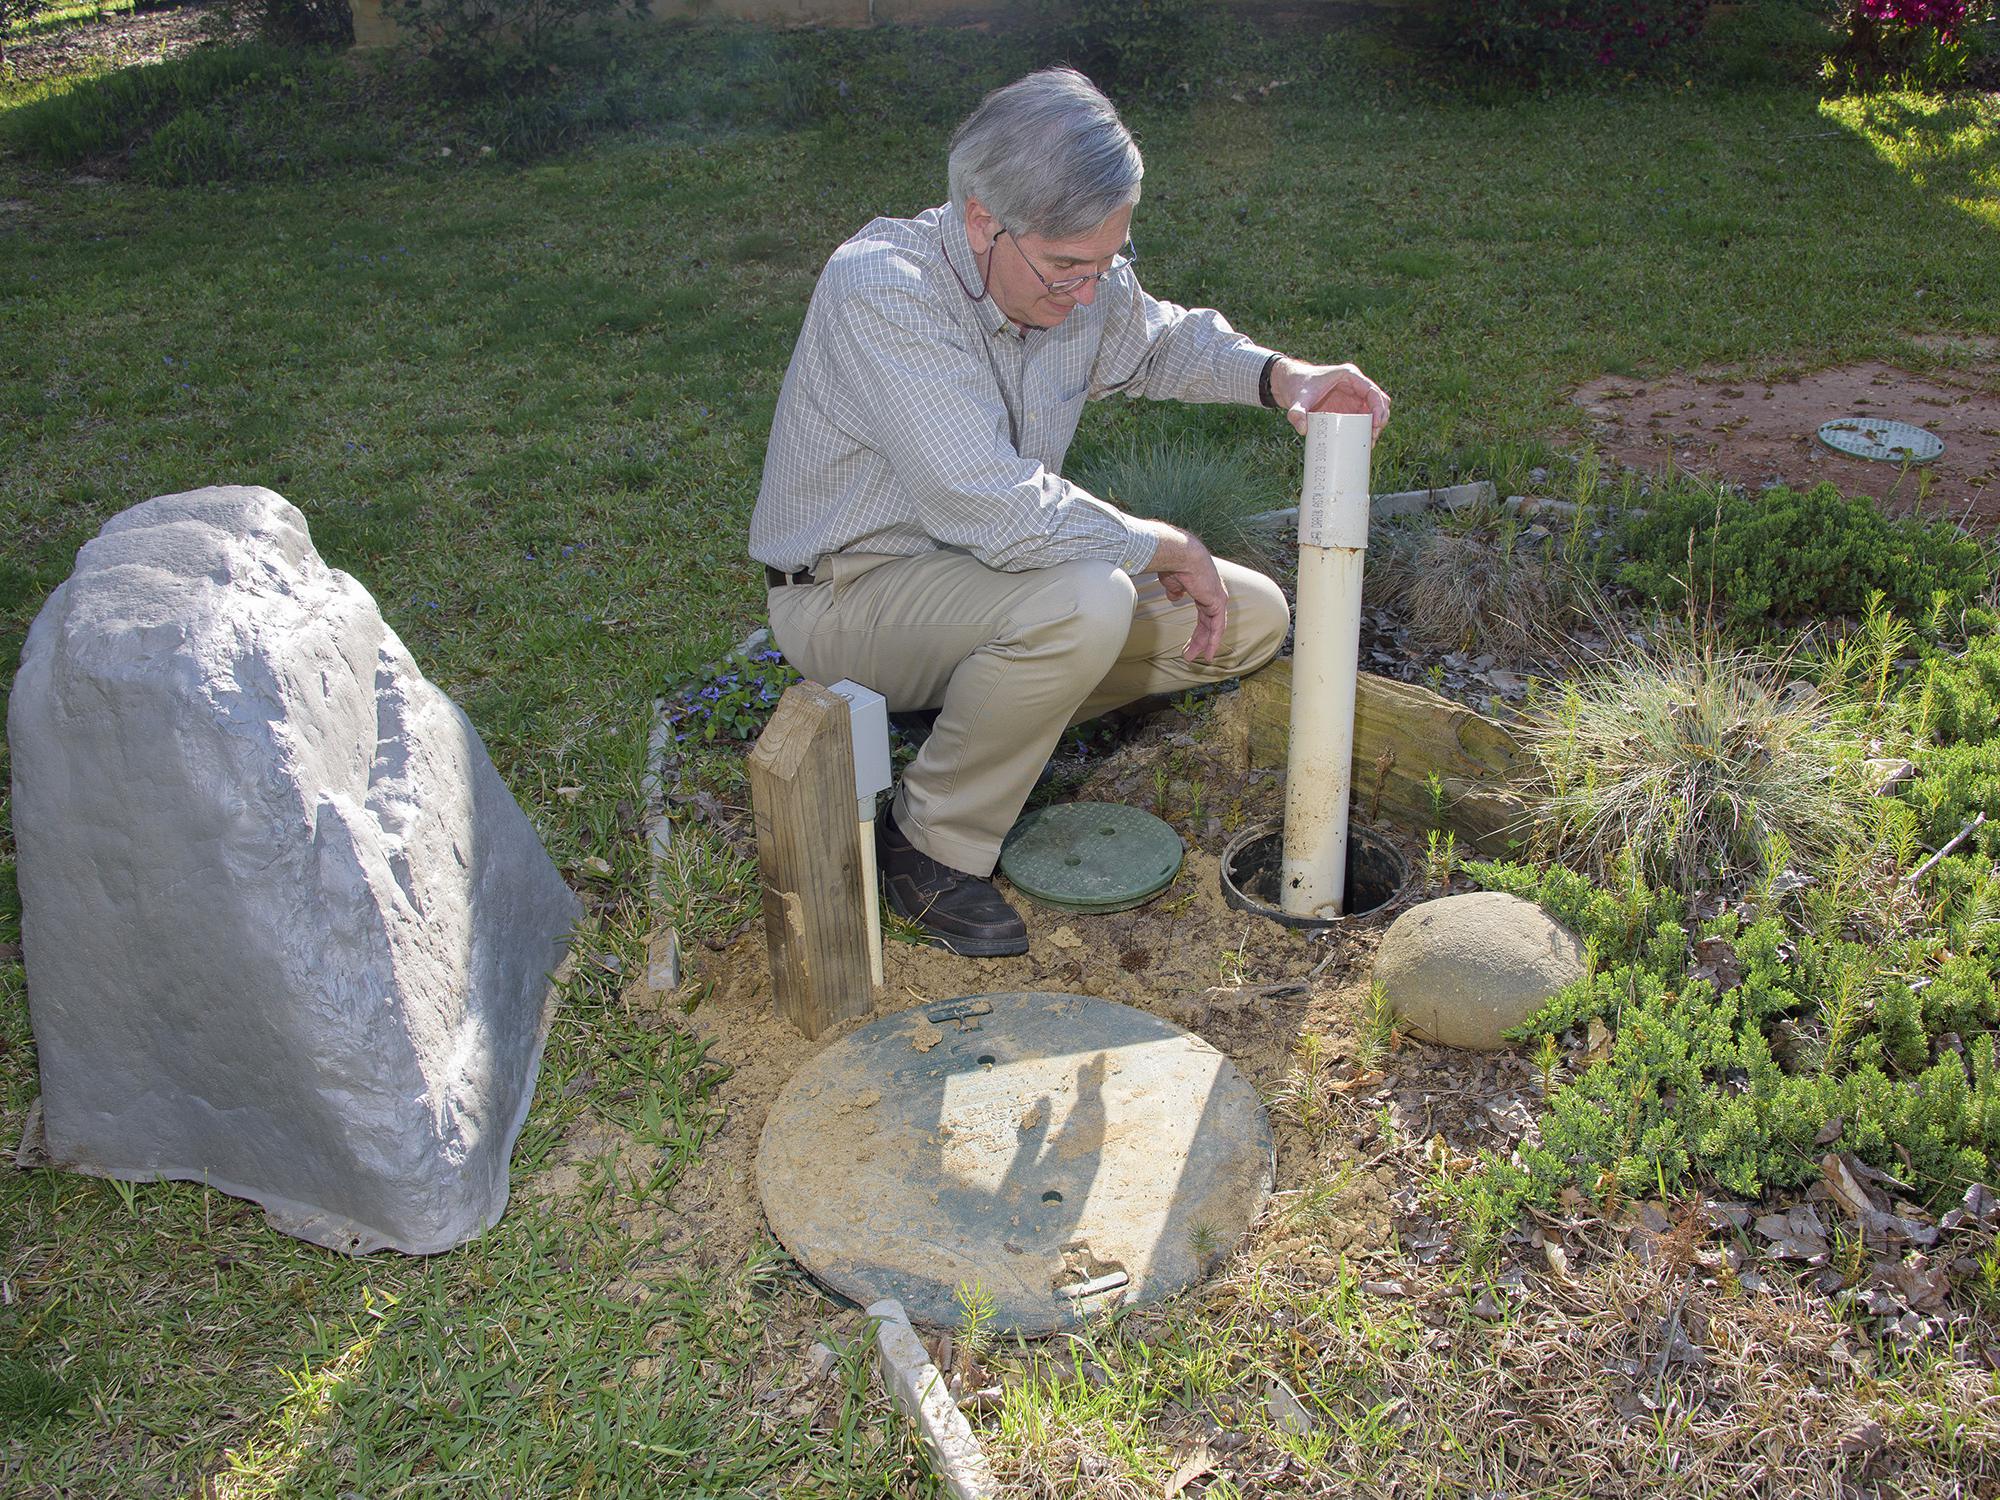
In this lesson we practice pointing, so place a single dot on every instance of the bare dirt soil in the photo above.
(1246, 985)
(119, 41)
(1756, 432)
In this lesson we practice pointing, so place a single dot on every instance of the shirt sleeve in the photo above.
(1162, 351)
(930, 405)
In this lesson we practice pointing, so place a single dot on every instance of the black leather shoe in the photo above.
(957, 911)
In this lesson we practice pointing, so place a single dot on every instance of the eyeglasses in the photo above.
(1069, 286)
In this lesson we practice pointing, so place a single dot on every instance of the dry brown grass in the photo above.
(1629, 1378)
(1472, 586)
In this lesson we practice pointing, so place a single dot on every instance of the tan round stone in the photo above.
(1463, 969)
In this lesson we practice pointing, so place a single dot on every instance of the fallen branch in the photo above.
(1962, 835)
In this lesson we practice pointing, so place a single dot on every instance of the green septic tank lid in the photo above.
(1091, 856)
(1881, 439)
(1065, 1154)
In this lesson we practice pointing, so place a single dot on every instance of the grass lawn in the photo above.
(526, 405)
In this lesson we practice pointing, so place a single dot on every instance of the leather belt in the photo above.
(777, 579)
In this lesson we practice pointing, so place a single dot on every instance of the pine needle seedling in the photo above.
(1230, 970)
(974, 1334)
(1377, 1035)
(1306, 1096)
(1549, 1064)
(1440, 859)
(1204, 1242)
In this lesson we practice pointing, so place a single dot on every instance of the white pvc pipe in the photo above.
(1326, 649)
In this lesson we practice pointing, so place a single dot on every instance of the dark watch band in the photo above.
(1264, 382)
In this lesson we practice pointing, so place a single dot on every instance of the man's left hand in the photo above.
(1301, 388)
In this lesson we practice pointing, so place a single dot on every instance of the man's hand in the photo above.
(1187, 571)
(1301, 388)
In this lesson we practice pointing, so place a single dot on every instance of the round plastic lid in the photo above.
(1091, 856)
(1056, 1153)
(1881, 439)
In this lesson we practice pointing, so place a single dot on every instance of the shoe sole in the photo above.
(977, 947)
(962, 947)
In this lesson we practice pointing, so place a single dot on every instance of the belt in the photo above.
(778, 579)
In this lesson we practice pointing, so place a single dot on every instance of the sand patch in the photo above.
(1755, 432)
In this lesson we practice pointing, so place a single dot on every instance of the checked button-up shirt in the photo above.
(916, 416)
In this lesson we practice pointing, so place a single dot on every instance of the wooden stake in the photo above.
(809, 861)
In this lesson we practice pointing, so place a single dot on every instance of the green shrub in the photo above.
(1959, 696)
(1552, 40)
(1955, 783)
(1153, 47)
(490, 46)
(1920, 43)
(1770, 41)
(1786, 555)
(1736, 1085)
(308, 23)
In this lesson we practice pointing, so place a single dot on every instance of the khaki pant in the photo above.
(1010, 660)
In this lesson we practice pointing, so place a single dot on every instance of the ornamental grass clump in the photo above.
(1473, 585)
(1212, 493)
(1694, 762)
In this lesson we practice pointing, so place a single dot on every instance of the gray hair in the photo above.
(1048, 155)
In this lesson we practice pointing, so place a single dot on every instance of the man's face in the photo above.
(1012, 264)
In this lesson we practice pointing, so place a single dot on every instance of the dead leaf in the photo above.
(1896, 1229)
(1287, 1411)
(1867, 1438)
(1198, 1462)
(1597, 1044)
(1831, 1131)
(1797, 1234)
(1845, 1187)
(1033, 1118)
(1921, 1284)
(1716, 961)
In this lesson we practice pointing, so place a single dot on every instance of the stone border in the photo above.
(918, 1389)
(1399, 503)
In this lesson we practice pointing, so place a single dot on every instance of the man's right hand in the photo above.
(1187, 571)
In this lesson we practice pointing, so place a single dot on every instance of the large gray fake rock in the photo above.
(1463, 969)
(286, 932)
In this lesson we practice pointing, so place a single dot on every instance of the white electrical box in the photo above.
(870, 712)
